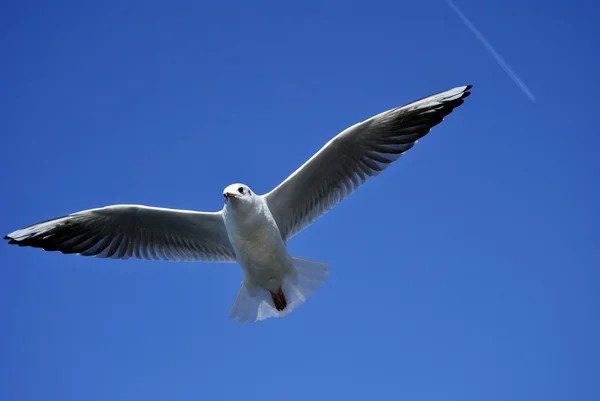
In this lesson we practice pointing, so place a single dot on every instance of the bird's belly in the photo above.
(262, 255)
(263, 263)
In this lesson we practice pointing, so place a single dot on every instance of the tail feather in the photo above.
(310, 276)
(254, 304)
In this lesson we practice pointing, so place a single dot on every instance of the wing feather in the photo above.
(349, 159)
(126, 231)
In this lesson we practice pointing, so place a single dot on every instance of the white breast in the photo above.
(259, 248)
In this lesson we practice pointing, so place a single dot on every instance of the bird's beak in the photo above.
(231, 195)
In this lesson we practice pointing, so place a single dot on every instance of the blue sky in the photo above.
(467, 271)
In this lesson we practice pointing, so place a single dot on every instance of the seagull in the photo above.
(251, 229)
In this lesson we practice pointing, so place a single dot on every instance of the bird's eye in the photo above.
(241, 190)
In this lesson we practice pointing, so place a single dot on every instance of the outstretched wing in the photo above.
(349, 159)
(125, 231)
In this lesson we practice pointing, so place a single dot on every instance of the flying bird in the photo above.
(252, 229)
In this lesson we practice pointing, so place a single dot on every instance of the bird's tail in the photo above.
(253, 303)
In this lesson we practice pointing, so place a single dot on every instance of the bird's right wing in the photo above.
(142, 232)
(349, 159)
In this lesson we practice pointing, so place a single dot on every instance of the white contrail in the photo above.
(492, 51)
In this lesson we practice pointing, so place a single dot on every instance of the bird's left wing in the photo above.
(125, 231)
(350, 158)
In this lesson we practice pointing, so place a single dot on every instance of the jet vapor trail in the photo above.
(492, 51)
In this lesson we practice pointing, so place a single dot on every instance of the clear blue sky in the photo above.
(468, 271)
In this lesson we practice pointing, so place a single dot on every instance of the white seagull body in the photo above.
(252, 229)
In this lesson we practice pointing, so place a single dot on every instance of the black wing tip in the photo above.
(29, 242)
(11, 240)
(35, 244)
(454, 103)
(465, 92)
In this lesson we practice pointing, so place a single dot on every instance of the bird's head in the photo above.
(236, 194)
